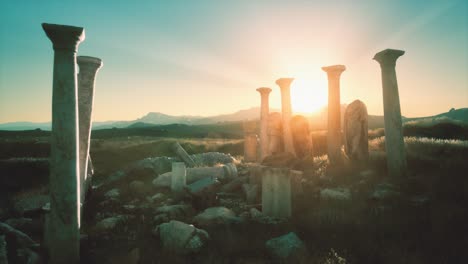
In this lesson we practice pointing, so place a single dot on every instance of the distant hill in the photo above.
(318, 120)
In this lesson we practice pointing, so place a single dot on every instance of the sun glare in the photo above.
(308, 95)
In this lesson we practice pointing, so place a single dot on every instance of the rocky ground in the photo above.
(343, 214)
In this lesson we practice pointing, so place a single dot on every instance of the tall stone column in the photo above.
(264, 112)
(394, 144)
(334, 115)
(62, 236)
(285, 86)
(250, 141)
(89, 67)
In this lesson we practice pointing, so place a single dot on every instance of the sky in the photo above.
(207, 57)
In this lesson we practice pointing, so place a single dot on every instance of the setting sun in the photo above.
(309, 94)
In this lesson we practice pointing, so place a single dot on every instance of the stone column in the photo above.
(334, 115)
(250, 141)
(264, 112)
(178, 177)
(355, 130)
(276, 192)
(89, 67)
(63, 236)
(394, 144)
(285, 86)
(275, 133)
(180, 151)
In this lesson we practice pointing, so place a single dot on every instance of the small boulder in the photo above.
(109, 224)
(181, 238)
(288, 248)
(215, 215)
(138, 187)
(112, 194)
(337, 194)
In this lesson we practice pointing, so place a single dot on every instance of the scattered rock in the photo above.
(213, 158)
(205, 185)
(342, 194)
(176, 212)
(287, 249)
(110, 223)
(215, 215)
(33, 203)
(234, 185)
(255, 213)
(384, 191)
(112, 194)
(137, 187)
(156, 198)
(181, 238)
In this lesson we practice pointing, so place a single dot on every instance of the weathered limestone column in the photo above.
(394, 144)
(178, 177)
(334, 115)
(356, 142)
(276, 192)
(63, 237)
(302, 138)
(250, 141)
(180, 151)
(89, 67)
(275, 133)
(264, 112)
(285, 86)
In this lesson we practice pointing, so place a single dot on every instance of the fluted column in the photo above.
(89, 67)
(62, 234)
(285, 86)
(394, 144)
(334, 115)
(264, 112)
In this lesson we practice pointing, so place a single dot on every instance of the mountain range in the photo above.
(318, 119)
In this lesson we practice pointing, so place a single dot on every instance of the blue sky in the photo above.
(208, 57)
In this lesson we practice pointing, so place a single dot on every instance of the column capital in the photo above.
(388, 57)
(87, 62)
(64, 37)
(334, 70)
(284, 82)
(264, 90)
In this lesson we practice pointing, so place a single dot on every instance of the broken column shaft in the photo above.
(178, 177)
(394, 143)
(180, 151)
(276, 192)
(334, 113)
(285, 86)
(62, 235)
(264, 112)
(89, 67)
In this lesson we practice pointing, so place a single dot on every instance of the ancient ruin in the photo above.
(302, 138)
(63, 221)
(394, 143)
(178, 177)
(285, 86)
(264, 114)
(250, 141)
(334, 116)
(275, 133)
(355, 130)
(276, 192)
(88, 68)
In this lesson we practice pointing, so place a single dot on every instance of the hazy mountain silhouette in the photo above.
(318, 119)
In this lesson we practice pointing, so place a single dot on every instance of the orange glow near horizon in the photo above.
(308, 95)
